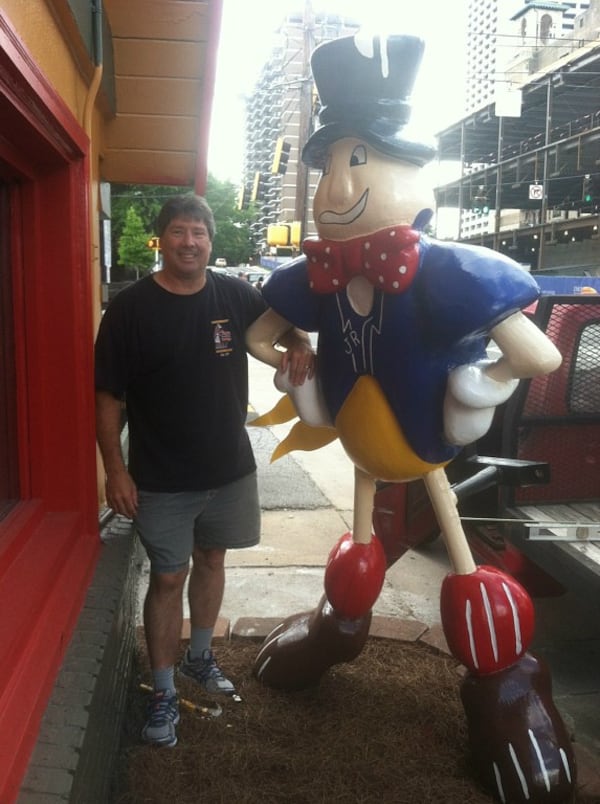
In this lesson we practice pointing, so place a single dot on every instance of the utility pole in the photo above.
(301, 211)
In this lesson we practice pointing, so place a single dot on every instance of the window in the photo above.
(545, 27)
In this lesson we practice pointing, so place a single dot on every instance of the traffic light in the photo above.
(241, 198)
(278, 234)
(479, 200)
(586, 195)
(258, 189)
(154, 243)
(296, 233)
(590, 192)
(282, 155)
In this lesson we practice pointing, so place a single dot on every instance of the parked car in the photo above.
(254, 274)
(219, 269)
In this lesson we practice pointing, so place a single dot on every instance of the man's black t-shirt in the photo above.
(180, 362)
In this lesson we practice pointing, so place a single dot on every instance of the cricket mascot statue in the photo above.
(404, 380)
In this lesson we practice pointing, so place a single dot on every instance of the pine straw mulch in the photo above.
(387, 727)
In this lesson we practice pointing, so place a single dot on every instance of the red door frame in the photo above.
(49, 542)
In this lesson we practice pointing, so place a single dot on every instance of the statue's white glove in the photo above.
(307, 398)
(470, 401)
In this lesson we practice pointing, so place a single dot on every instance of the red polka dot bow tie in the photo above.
(387, 258)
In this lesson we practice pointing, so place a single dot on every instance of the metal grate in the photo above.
(584, 390)
(575, 387)
(560, 420)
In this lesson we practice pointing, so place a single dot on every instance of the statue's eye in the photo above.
(359, 156)
(327, 165)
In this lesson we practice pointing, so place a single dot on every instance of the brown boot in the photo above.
(518, 741)
(298, 651)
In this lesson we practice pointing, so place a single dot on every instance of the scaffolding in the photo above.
(536, 177)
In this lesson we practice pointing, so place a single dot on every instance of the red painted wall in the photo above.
(49, 542)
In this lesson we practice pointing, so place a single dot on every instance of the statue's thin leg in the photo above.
(302, 648)
(518, 740)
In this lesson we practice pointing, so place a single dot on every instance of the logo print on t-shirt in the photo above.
(222, 337)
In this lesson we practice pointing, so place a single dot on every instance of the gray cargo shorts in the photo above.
(170, 525)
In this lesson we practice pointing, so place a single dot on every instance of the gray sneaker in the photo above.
(163, 716)
(206, 672)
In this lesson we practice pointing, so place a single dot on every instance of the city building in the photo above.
(493, 39)
(503, 36)
(531, 171)
(281, 112)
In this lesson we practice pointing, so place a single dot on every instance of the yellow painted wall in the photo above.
(38, 29)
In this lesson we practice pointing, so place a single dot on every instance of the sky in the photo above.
(247, 35)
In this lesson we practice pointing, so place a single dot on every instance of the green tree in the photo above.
(146, 199)
(233, 239)
(133, 244)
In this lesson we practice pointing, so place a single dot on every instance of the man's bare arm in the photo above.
(270, 329)
(121, 492)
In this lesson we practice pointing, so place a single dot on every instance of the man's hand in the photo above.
(299, 362)
(121, 493)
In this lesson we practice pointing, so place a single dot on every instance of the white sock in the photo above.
(164, 679)
(200, 640)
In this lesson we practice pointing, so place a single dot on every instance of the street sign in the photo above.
(536, 192)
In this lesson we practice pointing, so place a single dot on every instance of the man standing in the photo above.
(172, 346)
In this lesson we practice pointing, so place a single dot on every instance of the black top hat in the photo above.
(364, 84)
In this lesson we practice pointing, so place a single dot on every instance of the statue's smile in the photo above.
(349, 216)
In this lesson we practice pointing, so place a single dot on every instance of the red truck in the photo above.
(529, 491)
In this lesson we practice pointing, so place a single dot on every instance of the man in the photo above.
(172, 345)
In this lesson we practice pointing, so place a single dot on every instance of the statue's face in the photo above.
(362, 190)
